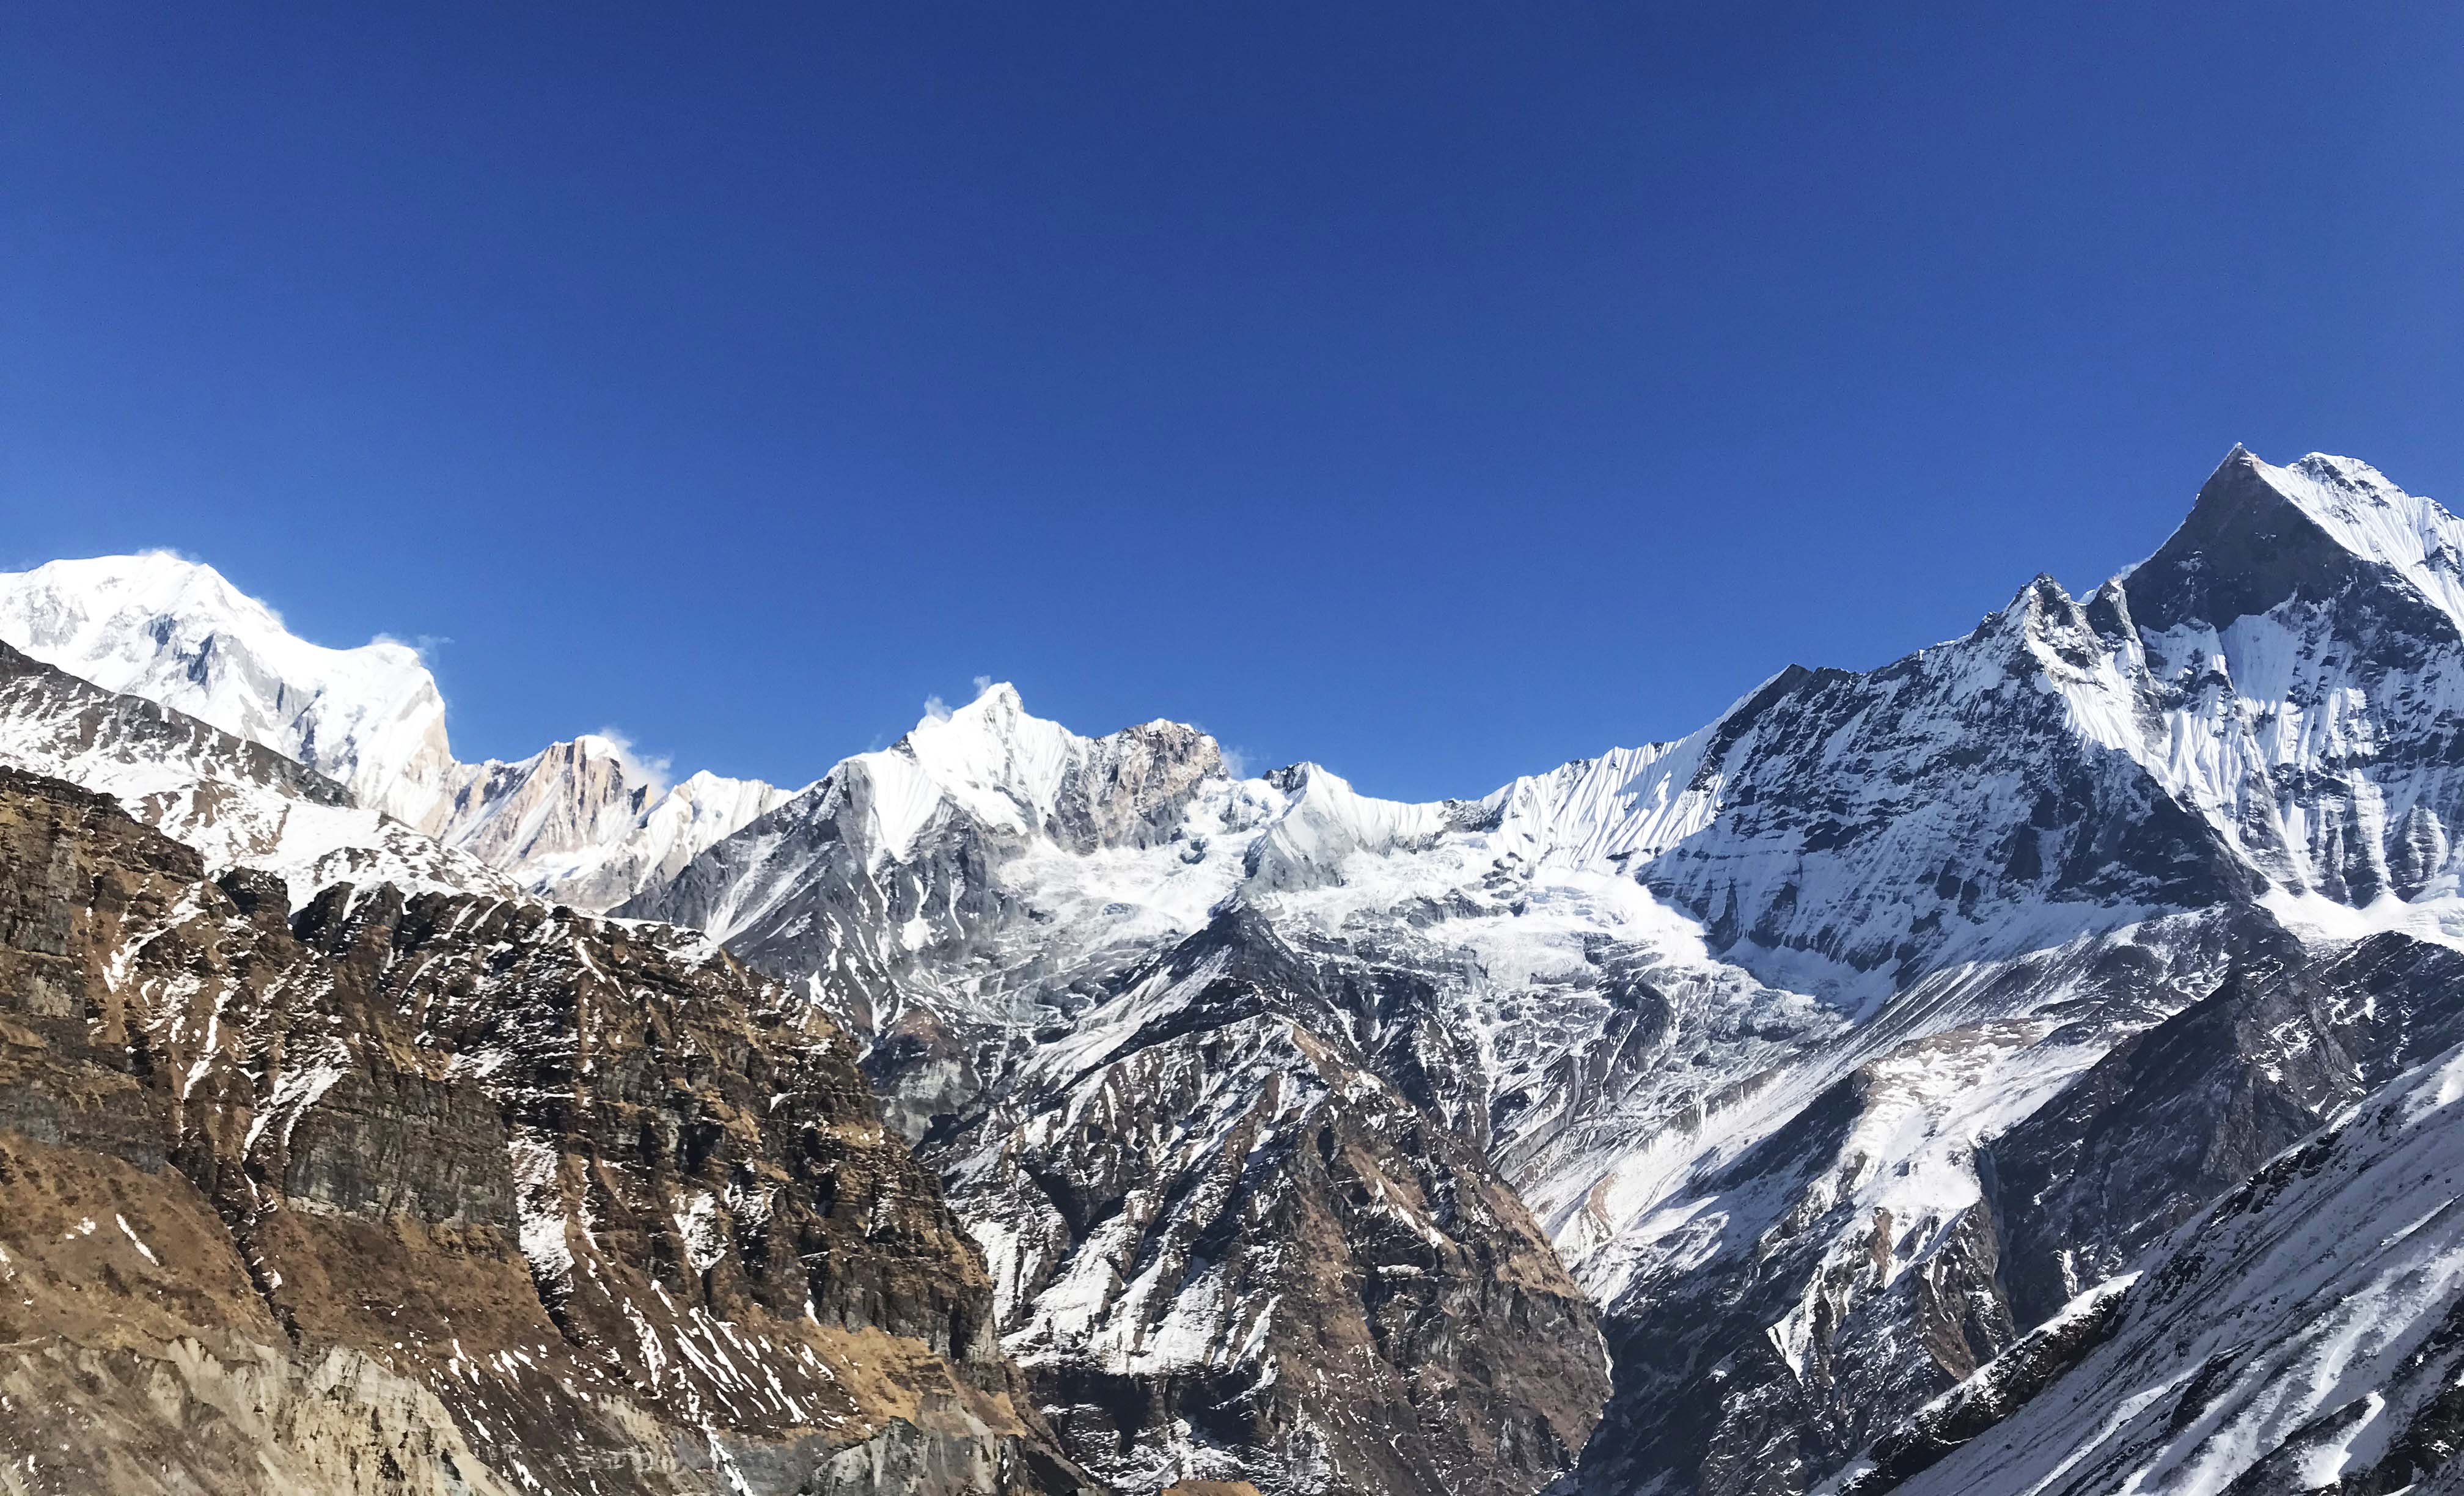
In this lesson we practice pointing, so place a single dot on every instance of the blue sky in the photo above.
(1436, 392)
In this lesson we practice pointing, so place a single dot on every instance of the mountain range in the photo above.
(2026, 1067)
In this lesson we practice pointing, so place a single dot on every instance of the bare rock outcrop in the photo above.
(450, 1194)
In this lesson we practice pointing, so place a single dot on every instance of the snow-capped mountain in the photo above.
(173, 631)
(582, 821)
(1200, 1156)
(238, 802)
(1736, 1016)
(1837, 1064)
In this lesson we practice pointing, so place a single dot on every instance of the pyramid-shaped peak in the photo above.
(997, 698)
(2042, 590)
(2040, 596)
(996, 709)
(2260, 535)
(2351, 503)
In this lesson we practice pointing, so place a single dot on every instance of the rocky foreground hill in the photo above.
(2027, 1066)
(450, 1192)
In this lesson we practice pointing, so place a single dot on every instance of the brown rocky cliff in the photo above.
(1235, 1253)
(450, 1194)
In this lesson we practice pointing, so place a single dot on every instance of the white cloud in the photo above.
(425, 645)
(650, 768)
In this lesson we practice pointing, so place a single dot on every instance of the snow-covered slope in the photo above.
(1739, 1015)
(173, 631)
(237, 802)
(1834, 1047)
(583, 821)
(2306, 1334)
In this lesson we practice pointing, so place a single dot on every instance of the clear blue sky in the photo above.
(1436, 392)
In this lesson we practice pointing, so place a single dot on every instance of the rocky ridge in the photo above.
(236, 802)
(451, 1191)
(1736, 1016)
(1851, 1053)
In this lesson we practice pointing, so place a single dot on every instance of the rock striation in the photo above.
(450, 1193)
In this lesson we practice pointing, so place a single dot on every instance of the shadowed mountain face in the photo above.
(1780, 1107)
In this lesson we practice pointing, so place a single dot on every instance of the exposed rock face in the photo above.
(452, 1193)
(2303, 1333)
(1214, 1214)
(1834, 1048)
(1875, 821)
(2180, 1114)
(1234, 1192)
(583, 823)
(1822, 1279)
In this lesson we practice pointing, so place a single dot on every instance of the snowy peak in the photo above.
(1002, 765)
(176, 632)
(1327, 822)
(690, 818)
(569, 796)
(1023, 776)
(2032, 608)
(2260, 536)
(583, 821)
(237, 802)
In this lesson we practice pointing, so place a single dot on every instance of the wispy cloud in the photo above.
(425, 645)
(1235, 760)
(650, 768)
(938, 709)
